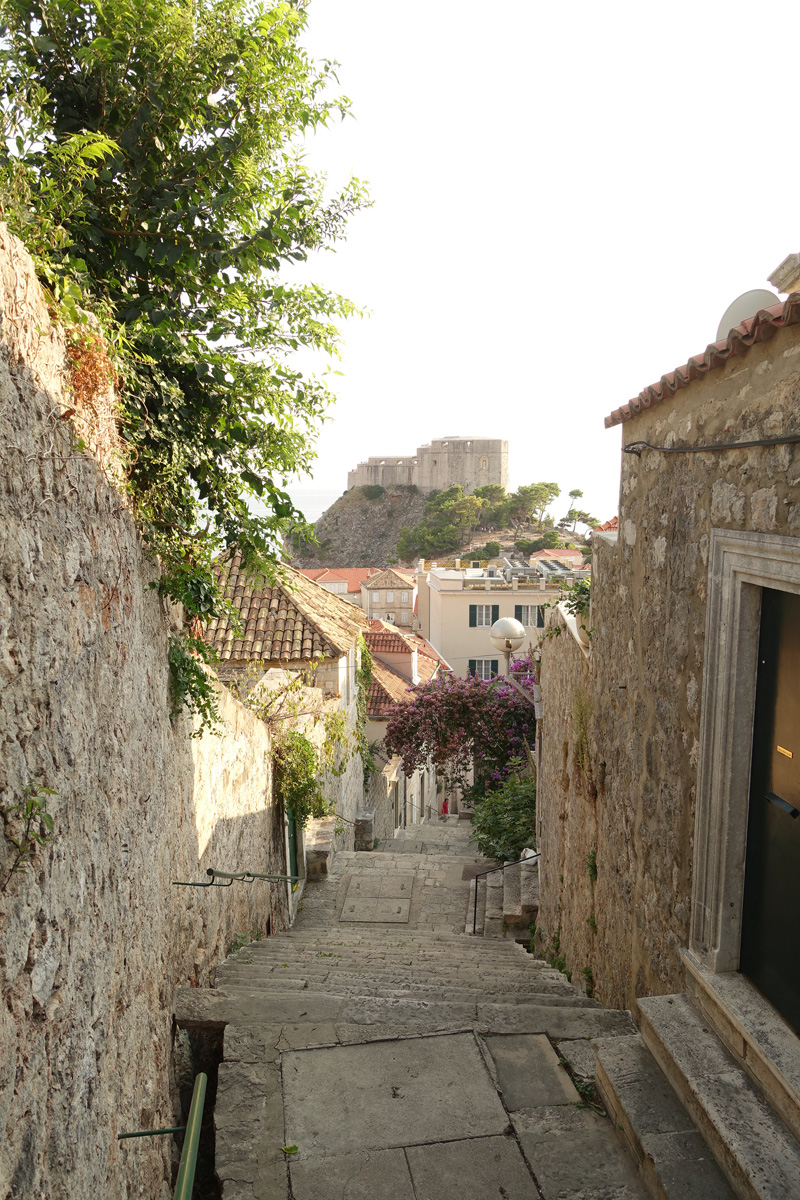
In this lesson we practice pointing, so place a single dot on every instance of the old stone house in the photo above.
(390, 595)
(294, 625)
(669, 748)
(400, 661)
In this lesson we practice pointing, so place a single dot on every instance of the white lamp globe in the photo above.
(507, 634)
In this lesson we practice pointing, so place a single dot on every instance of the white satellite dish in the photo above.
(744, 306)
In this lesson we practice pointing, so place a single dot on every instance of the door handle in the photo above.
(784, 804)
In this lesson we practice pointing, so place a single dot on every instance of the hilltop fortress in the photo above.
(470, 462)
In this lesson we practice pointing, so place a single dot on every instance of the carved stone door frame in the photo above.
(740, 565)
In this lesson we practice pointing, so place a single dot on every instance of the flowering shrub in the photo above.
(466, 723)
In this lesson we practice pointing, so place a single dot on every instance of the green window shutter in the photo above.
(471, 666)
(495, 613)
(495, 666)
(539, 617)
(473, 616)
(518, 613)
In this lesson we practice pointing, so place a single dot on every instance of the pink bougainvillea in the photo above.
(465, 723)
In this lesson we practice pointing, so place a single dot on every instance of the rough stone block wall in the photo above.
(646, 671)
(379, 798)
(95, 938)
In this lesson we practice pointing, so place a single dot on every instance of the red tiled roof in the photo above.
(759, 328)
(353, 576)
(608, 527)
(387, 641)
(386, 690)
(292, 620)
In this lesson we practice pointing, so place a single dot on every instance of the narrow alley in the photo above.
(377, 1050)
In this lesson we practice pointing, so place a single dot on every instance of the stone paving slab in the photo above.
(575, 1156)
(528, 1071)
(480, 1169)
(373, 910)
(367, 1175)
(386, 1094)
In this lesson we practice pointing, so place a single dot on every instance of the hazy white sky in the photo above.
(566, 199)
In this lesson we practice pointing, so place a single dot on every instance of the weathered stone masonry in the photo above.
(94, 940)
(470, 462)
(632, 799)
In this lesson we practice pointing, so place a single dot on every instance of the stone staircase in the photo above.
(508, 903)
(692, 1108)
(376, 1051)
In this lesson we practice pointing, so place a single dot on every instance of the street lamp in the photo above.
(507, 635)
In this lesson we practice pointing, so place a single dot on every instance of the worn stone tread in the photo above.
(755, 1150)
(674, 1159)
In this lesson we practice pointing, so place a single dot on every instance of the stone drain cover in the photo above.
(382, 900)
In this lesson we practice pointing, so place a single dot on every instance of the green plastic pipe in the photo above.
(185, 1181)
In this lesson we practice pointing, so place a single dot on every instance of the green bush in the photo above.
(372, 491)
(503, 822)
(491, 550)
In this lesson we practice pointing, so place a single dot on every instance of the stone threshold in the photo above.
(751, 1030)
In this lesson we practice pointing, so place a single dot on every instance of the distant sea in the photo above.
(313, 502)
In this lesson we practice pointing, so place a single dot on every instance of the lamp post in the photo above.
(507, 635)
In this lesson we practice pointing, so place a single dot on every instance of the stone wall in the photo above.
(631, 799)
(95, 938)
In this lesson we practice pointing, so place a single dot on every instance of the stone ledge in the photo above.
(752, 1032)
(319, 847)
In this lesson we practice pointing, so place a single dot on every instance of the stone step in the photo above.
(533, 979)
(477, 957)
(757, 1153)
(233, 983)
(673, 1158)
(217, 1007)
(324, 965)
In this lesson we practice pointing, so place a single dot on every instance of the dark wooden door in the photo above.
(770, 951)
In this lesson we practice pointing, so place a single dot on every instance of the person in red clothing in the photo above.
(445, 808)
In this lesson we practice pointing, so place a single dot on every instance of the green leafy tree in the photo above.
(504, 820)
(447, 521)
(156, 165)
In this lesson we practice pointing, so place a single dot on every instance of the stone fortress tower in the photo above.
(470, 462)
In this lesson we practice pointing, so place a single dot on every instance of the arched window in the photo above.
(484, 463)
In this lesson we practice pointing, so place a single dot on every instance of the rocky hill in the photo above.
(357, 531)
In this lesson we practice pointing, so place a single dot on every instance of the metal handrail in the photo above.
(188, 1164)
(528, 858)
(237, 877)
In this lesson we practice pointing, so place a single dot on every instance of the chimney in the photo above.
(786, 277)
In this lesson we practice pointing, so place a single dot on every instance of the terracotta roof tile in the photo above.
(353, 576)
(608, 527)
(755, 329)
(292, 620)
(388, 641)
(386, 690)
